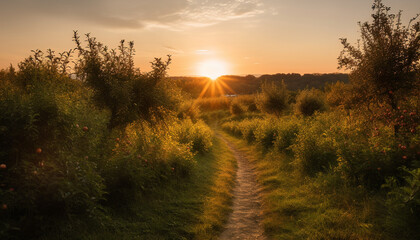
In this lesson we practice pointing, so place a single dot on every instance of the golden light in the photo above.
(212, 68)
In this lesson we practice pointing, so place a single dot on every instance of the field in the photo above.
(93, 148)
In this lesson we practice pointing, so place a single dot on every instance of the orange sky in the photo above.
(251, 36)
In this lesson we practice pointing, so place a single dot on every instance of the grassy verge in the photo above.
(305, 208)
(194, 208)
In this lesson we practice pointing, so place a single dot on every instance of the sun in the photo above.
(212, 69)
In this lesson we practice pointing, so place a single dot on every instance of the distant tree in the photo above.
(384, 64)
(273, 98)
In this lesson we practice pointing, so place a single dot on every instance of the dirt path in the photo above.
(245, 220)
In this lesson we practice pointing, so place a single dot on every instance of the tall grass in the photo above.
(335, 177)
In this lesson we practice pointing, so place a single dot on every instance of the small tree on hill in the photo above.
(384, 64)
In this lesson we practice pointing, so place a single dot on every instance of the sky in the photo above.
(245, 36)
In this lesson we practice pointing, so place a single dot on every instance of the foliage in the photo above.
(314, 150)
(119, 86)
(339, 95)
(213, 103)
(236, 108)
(189, 110)
(244, 85)
(197, 135)
(273, 98)
(309, 101)
(403, 204)
(385, 64)
(72, 150)
(144, 157)
(50, 147)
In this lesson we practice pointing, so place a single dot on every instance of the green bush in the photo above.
(266, 132)
(143, 159)
(248, 128)
(120, 87)
(198, 135)
(403, 204)
(50, 141)
(309, 101)
(189, 110)
(314, 148)
(273, 98)
(236, 108)
(287, 132)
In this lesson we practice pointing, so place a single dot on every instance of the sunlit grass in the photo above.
(193, 209)
(296, 207)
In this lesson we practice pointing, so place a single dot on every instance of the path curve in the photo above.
(245, 220)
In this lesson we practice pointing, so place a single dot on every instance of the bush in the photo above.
(120, 87)
(143, 159)
(403, 204)
(236, 107)
(248, 128)
(189, 110)
(198, 135)
(50, 146)
(309, 101)
(287, 132)
(273, 99)
(266, 132)
(314, 149)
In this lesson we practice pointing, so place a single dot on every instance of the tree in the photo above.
(384, 64)
(119, 86)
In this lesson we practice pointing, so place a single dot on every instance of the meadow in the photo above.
(93, 148)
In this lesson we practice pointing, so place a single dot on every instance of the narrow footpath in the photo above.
(245, 221)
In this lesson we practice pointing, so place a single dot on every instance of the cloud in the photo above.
(173, 50)
(135, 14)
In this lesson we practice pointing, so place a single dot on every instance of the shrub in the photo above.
(252, 107)
(288, 130)
(198, 135)
(121, 88)
(189, 110)
(314, 149)
(143, 159)
(309, 101)
(266, 132)
(51, 161)
(236, 107)
(248, 128)
(403, 204)
(273, 98)
(232, 127)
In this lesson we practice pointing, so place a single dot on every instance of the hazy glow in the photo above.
(212, 68)
(253, 36)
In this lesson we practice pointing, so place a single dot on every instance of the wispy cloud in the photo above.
(173, 50)
(202, 51)
(135, 14)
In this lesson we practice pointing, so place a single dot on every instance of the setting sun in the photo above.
(212, 68)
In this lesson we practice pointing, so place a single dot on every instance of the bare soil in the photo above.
(245, 220)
